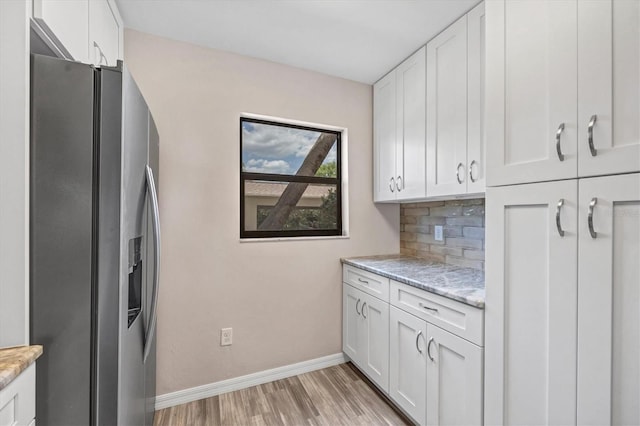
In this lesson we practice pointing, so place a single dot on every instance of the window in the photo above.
(290, 183)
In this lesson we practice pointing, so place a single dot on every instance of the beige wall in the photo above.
(283, 299)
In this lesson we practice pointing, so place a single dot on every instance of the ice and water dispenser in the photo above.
(135, 279)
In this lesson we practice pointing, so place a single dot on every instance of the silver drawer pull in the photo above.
(592, 231)
(558, 134)
(399, 183)
(558, 225)
(417, 339)
(362, 310)
(427, 308)
(429, 349)
(357, 303)
(592, 148)
(392, 184)
(363, 281)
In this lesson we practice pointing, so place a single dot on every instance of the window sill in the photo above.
(274, 239)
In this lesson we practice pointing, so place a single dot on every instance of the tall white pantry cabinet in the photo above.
(563, 245)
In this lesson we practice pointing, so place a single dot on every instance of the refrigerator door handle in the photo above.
(151, 186)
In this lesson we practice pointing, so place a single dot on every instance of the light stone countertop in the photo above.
(465, 285)
(15, 360)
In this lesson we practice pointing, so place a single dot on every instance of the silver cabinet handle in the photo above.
(155, 224)
(558, 135)
(458, 172)
(363, 281)
(427, 308)
(417, 338)
(429, 349)
(357, 303)
(97, 46)
(471, 171)
(592, 204)
(392, 183)
(362, 310)
(592, 148)
(558, 225)
(399, 186)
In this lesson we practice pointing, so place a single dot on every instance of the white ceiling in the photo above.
(359, 40)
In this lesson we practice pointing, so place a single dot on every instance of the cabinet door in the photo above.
(609, 86)
(454, 379)
(351, 319)
(18, 399)
(609, 301)
(68, 22)
(531, 90)
(384, 147)
(375, 355)
(475, 100)
(531, 310)
(410, 154)
(408, 363)
(104, 32)
(447, 111)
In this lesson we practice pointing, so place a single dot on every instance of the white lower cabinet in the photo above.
(365, 337)
(18, 400)
(408, 363)
(454, 379)
(433, 375)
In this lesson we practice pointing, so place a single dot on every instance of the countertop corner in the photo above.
(14, 360)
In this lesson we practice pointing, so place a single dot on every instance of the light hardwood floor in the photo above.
(338, 395)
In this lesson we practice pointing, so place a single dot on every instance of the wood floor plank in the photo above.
(338, 395)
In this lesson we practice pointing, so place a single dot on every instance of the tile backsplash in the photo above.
(463, 231)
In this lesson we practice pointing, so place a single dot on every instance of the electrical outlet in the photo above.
(437, 233)
(226, 336)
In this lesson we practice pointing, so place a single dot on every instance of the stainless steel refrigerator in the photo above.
(95, 244)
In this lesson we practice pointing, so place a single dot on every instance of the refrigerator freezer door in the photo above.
(109, 130)
(61, 246)
(135, 138)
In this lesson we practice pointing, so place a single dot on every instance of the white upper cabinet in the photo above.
(455, 105)
(608, 87)
(104, 33)
(384, 112)
(609, 301)
(543, 126)
(476, 58)
(531, 91)
(88, 31)
(447, 111)
(66, 23)
(399, 132)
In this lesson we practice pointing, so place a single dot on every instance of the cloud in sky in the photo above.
(265, 166)
(276, 149)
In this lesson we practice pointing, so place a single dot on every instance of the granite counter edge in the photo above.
(436, 290)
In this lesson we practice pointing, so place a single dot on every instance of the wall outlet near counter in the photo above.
(226, 336)
(437, 233)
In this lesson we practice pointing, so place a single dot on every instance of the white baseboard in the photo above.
(242, 382)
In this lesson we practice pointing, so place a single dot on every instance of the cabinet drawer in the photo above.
(372, 284)
(460, 319)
